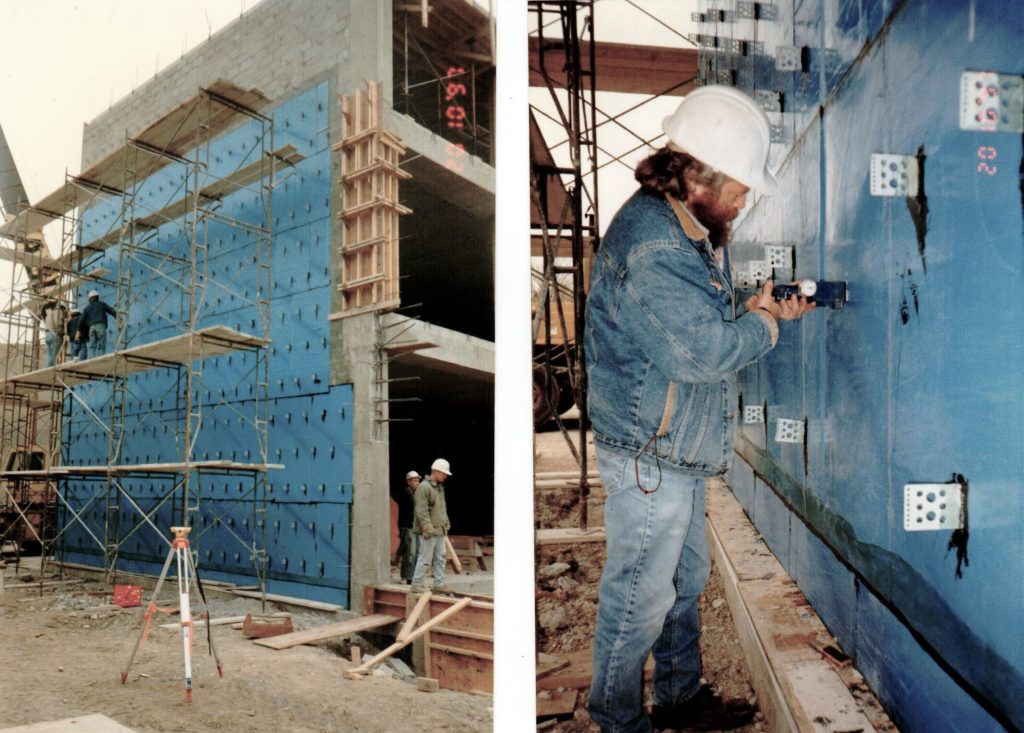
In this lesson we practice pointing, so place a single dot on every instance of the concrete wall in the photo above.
(282, 48)
(279, 47)
(918, 379)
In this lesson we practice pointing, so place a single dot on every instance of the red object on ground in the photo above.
(127, 596)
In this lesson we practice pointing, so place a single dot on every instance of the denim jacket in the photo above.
(663, 343)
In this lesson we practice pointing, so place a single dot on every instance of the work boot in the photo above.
(443, 589)
(703, 711)
(418, 588)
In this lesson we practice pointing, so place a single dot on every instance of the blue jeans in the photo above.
(432, 551)
(53, 345)
(97, 340)
(658, 564)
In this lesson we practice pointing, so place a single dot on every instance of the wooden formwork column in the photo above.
(370, 209)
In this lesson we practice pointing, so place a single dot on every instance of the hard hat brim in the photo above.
(765, 182)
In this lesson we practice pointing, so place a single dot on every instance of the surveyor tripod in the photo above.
(186, 568)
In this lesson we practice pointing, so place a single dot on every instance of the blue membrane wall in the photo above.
(919, 378)
(310, 422)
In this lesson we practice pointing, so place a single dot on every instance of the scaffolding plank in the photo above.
(54, 291)
(38, 258)
(217, 190)
(174, 133)
(176, 350)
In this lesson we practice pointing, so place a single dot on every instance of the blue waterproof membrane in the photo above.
(309, 424)
(918, 378)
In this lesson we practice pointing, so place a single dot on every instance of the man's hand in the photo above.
(783, 310)
(428, 531)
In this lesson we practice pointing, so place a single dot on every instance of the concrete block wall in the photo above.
(279, 47)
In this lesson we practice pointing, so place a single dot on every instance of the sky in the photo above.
(68, 61)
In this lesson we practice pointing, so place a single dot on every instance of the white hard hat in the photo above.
(441, 465)
(94, 293)
(411, 474)
(724, 128)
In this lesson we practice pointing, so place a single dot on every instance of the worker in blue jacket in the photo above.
(664, 339)
(94, 321)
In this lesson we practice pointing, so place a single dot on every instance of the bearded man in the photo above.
(664, 339)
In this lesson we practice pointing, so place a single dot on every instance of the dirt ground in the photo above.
(62, 653)
(567, 604)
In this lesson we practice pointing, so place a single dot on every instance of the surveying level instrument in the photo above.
(186, 569)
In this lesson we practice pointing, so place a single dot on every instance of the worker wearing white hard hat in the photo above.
(726, 130)
(94, 324)
(408, 541)
(664, 339)
(441, 465)
(432, 525)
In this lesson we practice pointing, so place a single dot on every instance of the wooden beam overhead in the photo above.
(623, 67)
(447, 30)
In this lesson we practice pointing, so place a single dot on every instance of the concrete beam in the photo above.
(454, 176)
(445, 350)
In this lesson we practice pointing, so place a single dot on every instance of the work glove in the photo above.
(428, 531)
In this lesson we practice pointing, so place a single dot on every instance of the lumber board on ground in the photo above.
(318, 605)
(568, 536)
(580, 671)
(556, 702)
(222, 621)
(549, 664)
(308, 636)
(541, 475)
(36, 585)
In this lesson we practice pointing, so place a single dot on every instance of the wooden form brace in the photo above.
(370, 209)
(458, 652)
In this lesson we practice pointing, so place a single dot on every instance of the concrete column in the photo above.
(353, 347)
(370, 24)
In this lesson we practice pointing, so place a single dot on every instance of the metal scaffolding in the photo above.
(565, 215)
(101, 390)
